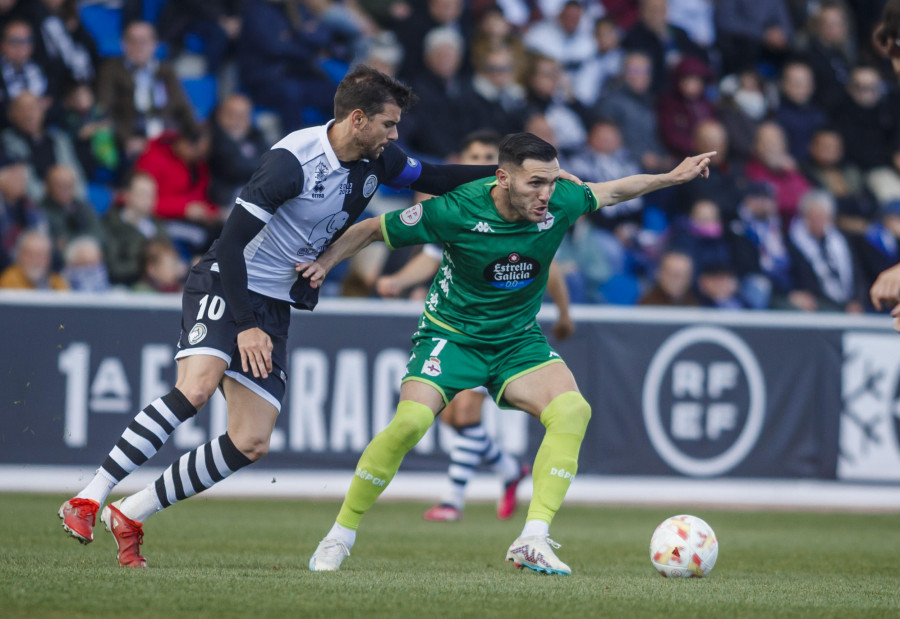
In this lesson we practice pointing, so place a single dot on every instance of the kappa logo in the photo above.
(370, 185)
(547, 223)
(432, 367)
(482, 227)
(412, 215)
(197, 333)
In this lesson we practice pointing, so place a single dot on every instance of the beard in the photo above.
(368, 148)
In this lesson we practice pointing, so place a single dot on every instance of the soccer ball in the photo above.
(683, 547)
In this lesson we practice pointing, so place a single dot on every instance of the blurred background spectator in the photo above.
(31, 269)
(85, 268)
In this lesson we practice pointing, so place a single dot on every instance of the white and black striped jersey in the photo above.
(306, 197)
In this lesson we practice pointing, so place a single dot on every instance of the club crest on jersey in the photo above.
(432, 367)
(412, 215)
(547, 223)
(512, 272)
(370, 185)
(412, 162)
(197, 333)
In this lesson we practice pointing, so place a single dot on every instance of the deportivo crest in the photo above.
(547, 223)
(432, 367)
(412, 215)
(197, 333)
(512, 272)
(370, 185)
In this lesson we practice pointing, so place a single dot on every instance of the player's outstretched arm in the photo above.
(356, 237)
(613, 192)
(420, 268)
(886, 289)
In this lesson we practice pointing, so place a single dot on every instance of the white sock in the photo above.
(98, 488)
(507, 468)
(455, 496)
(536, 528)
(348, 536)
(141, 505)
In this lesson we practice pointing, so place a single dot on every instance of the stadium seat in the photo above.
(104, 24)
(202, 93)
(100, 196)
(621, 289)
(151, 10)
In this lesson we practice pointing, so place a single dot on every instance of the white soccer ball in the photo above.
(683, 547)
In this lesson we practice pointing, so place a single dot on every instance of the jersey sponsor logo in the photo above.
(432, 367)
(197, 333)
(512, 272)
(547, 223)
(370, 185)
(482, 227)
(412, 215)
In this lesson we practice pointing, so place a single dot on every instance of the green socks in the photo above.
(381, 460)
(556, 463)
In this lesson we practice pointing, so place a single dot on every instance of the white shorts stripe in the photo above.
(212, 352)
(257, 389)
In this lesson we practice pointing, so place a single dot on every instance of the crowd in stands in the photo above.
(128, 127)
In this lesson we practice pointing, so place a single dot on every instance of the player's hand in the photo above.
(568, 176)
(387, 286)
(563, 328)
(691, 168)
(313, 271)
(895, 314)
(885, 292)
(255, 347)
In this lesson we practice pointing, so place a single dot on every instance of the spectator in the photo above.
(771, 162)
(827, 169)
(726, 180)
(884, 181)
(674, 282)
(629, 103)
(880, 246)
(40, 147)
(90, 131)
(425, 16)
(31, 269)
(62, 45)
(822, 262)
(499, 100)
(18, 71)
(750, 31)
(866, 120)
(141, 94)
(566, 38)
(17, 211)
(796, 112)
(84, 267)
(236, 148)
(129, 227)
(742, 107)
(718, 287)
(684, 106)
(702, 236)
(546, 95)
(443, 93)
(216, 22)
(494, 31)
(162, 269)
(830, 53)
(696, 18)
(665, 45)
(68, 217)
(177, 161)
(606, 64)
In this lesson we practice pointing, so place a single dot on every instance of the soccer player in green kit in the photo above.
(499, 236)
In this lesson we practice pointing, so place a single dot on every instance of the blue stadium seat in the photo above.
(621, 289)
(104, 24)
(151, 9)
(202, 93)
(100, 196)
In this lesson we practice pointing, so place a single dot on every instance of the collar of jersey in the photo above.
(326, 145)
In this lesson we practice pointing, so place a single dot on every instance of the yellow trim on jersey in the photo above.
(384, 232)
(419, 379)
(596, 200)
(520, 374)
(442, 325)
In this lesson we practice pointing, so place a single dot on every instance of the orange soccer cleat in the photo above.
(128, 533)
(442, 513)
(78, 516)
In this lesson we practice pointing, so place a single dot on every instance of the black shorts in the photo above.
(207, 328)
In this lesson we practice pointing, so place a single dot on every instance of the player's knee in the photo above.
(198, 392)
(254, 447)
(568, 413)
(410, 423)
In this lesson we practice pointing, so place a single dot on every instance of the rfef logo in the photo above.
(704, 401)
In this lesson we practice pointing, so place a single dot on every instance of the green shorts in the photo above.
(451, 367)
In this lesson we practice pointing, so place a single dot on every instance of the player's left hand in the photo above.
(691, 168)
(563, 328)
(313, 271)
(568, 176)
(255, 347)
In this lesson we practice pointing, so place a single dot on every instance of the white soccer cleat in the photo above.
(329, 555)
(536, 553)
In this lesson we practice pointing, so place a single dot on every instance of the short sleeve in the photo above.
(400, 170)
(576, 199)
(428, 222)
(278, 178)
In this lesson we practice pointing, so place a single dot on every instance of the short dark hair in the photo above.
(517, 147)
(369, 90)
(481, 136)
(888, 30)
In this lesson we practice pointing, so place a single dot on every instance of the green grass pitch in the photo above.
(247, 558)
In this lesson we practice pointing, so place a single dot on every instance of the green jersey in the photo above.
(493, 273)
